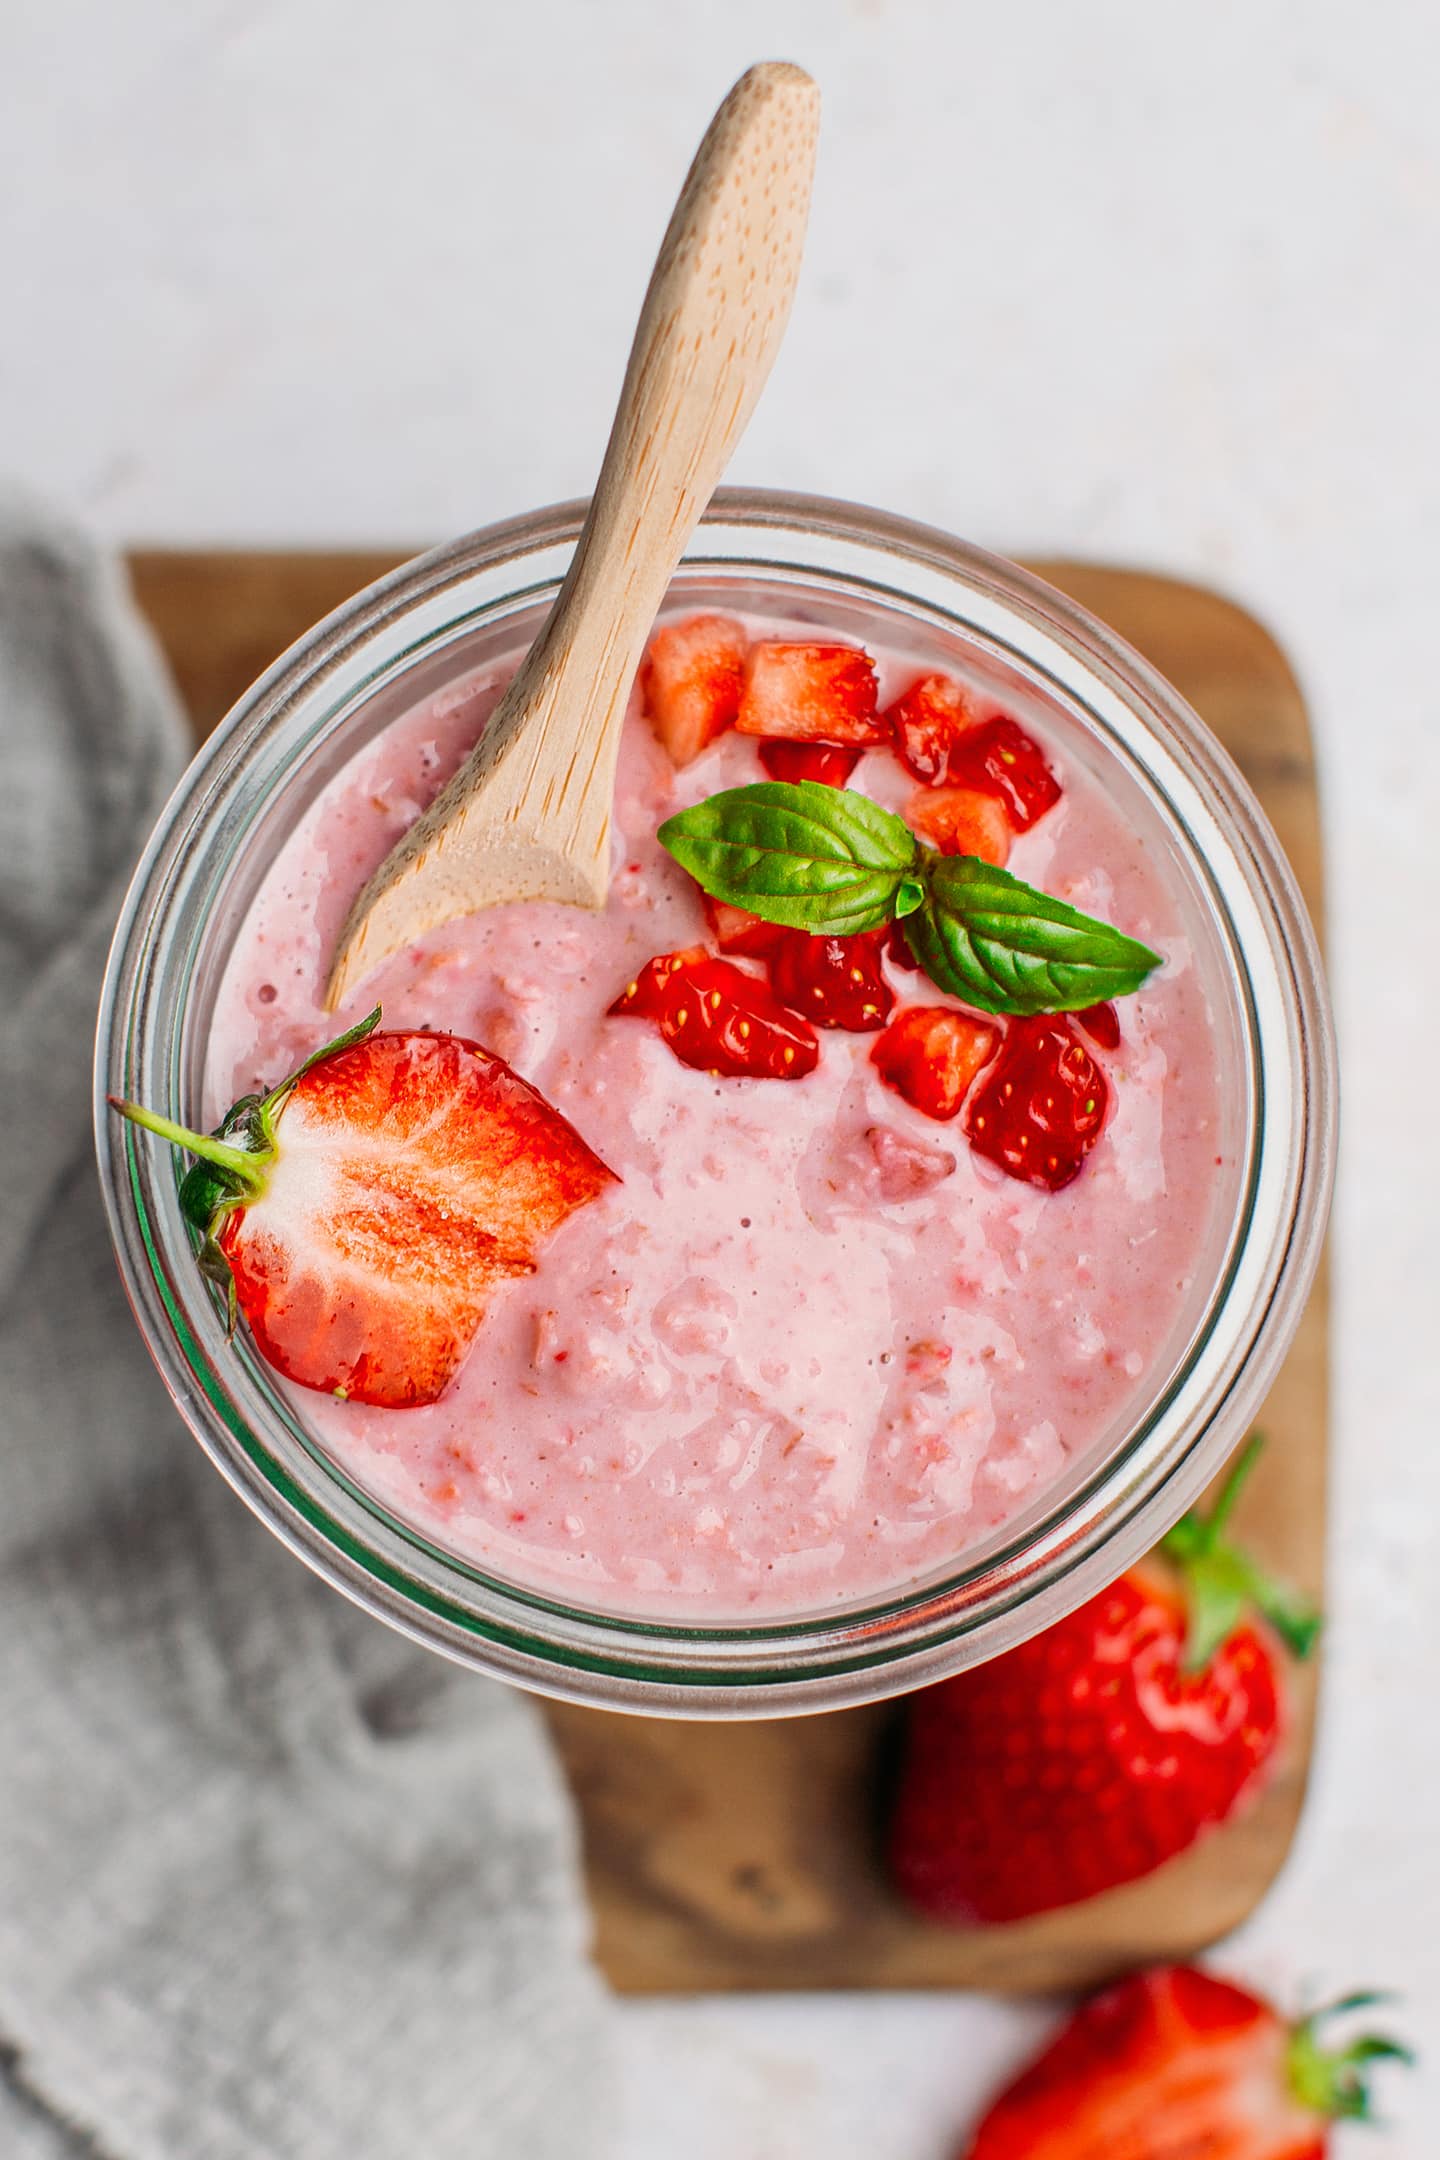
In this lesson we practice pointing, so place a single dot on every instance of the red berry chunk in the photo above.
(835, 981)
(808, 761)
(898, 949)
(925, 723)
(719, 1019)
(644, 998)
(931, 1054)
(692, 680)
(811, 693)
(1040, 1108)
(961, 821)
(999, 758)
(738, 931)
(1102, 1024)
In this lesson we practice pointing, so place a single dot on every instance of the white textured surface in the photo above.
(1149, 284)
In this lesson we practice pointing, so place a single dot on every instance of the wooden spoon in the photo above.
(527, 817)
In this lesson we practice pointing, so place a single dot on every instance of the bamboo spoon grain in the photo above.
(527, 817)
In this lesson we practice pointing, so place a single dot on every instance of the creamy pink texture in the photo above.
(811, 1347)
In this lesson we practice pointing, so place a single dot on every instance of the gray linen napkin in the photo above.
(273, 1884)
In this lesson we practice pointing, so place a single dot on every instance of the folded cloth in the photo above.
(274, 1885)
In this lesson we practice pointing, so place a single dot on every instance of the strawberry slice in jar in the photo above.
(1041, 1108)
(812, 694)
(720, 1019)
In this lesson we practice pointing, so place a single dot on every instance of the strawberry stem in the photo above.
(1222, 1583)
(1335, 2082)
(239, 1162)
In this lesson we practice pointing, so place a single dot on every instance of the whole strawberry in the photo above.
(1177, 2065)
(361, 1214)
(1104, 1746)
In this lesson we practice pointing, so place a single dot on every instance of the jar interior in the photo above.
(272, 801)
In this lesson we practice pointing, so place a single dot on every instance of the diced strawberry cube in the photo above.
(738, 931)
(930, 1054)
(645, 996)
(808, 761)
(898, 951)
(1102, 1024)
(720, 1019)
(961, 821)
(811, 693)
(1000, 759)
(905, 1168)
(925, 721)
(834, 981)
(692, 680)
(1041, 1107)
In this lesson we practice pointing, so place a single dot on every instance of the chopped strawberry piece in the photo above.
(1042, 1105)
(835, 981)
(644, 998)
(1000, 759)
(411, 1174)
(925, 722)
(961, 821)
(720, 1019)
(738, 931)
(898, 949)
(1102, 1024)
(904, 1167)
(811, 693)
(808, 761)
(1174, 2064)
(692, 679)
(930, 1054)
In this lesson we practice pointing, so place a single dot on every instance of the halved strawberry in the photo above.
(822, 762)
(720, 1019)
(738, 931)
(361, 1213)
(691, 682)
(835, 982)
(1000, 759)
(644, 998)
(1102, 1024)
(961, 821)
(811, 693)
(925, 721)
(1041, 1106)
(1175, 2064)
(930, 1054)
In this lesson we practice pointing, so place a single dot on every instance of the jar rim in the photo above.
(1097, 1526)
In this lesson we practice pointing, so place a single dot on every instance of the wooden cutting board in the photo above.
(743, 1856)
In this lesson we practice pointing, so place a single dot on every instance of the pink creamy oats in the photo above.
(812, 1345)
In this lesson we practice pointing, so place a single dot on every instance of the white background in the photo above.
(1147, 282)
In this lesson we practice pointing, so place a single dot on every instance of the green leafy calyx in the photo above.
(1335, 2081)
(232, 1164)
(831, 862)
(1222, 1584)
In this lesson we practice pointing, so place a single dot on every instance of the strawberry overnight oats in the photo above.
(800, 1290)
(816, 1338)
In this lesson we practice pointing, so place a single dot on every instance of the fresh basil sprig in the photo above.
(830, 861)
(822, 859)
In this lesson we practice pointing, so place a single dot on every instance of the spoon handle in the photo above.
(709, 330)
(527, 816)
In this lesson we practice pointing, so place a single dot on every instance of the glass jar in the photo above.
(889, 582)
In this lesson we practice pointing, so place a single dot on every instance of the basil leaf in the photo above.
(1000, 945)
(822, 859)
